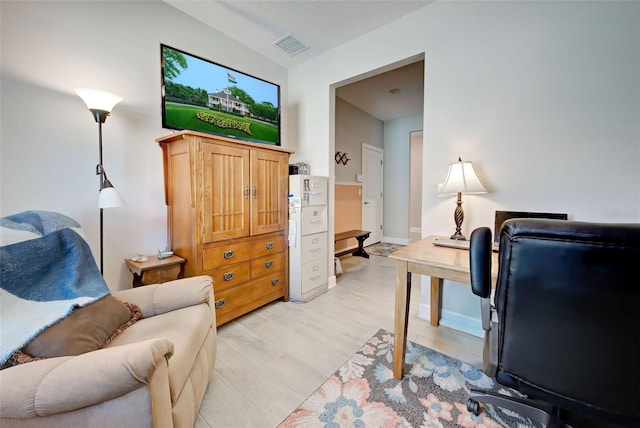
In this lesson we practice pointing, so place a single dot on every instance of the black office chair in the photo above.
(565, 329)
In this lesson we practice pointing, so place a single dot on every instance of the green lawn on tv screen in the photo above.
(184, 117)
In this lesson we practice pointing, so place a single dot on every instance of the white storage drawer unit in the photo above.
(313, 247)
(314, 219)
(316, 187)
(308, 250)
(314, 274)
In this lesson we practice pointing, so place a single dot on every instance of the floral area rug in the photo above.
(382, 249)
(433, 393)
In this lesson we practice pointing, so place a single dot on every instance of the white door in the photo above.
(372, 192)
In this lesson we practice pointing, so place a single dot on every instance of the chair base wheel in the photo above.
(473, 406)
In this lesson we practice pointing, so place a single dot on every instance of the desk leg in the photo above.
(403, 295)
(436, 301)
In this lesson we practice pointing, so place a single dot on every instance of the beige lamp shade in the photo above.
(461, 178)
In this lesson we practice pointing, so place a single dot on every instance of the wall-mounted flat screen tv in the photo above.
(201, 95)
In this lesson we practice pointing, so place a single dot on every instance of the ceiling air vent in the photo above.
(290, 45)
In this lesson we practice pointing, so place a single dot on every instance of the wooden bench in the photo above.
(360, 235)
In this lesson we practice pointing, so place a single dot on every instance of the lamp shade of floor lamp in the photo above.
(100, 104)
(461, 178)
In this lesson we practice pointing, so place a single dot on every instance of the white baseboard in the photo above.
(399, 241)
(332, 281)
(454, 320)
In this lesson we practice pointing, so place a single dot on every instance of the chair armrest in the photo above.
(156, 299)
(480, 261)
(63, 384)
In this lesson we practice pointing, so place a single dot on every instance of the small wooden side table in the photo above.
(154, 270)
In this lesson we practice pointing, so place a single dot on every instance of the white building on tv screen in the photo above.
(225, 101)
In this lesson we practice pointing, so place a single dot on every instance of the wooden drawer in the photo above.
(216, 256)
(313, 247)
(268, 245)
(230, 276)
(236, 301)
(266, 265)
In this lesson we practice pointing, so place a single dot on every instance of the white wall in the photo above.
(397, 137)
(353, 128)
(543, 97)
(49, 142)
(415, 182)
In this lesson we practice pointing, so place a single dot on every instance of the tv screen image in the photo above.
(201, 95)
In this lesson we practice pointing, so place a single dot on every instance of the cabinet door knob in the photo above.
(275, 281)
(269, 245)
(255, 191)
(246, 192)
(228, 254)
(268, 264)
(220, 303)
(228, 276)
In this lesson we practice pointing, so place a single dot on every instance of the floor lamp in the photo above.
(100, 104)
(461, 178)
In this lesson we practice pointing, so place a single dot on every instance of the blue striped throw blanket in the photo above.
(46, 271)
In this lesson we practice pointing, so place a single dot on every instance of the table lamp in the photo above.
(461, 178)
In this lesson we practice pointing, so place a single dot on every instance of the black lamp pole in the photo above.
(100, 116)
(100, 104)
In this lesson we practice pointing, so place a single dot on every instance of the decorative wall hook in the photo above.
(341, 158)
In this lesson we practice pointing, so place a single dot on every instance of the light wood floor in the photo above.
(271, 360)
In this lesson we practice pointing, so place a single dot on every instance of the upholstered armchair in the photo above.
(76, 355)
(563, 329)
(153, 374)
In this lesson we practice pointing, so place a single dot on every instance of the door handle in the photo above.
(366, 202)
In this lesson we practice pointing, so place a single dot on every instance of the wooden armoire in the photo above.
(227, 216)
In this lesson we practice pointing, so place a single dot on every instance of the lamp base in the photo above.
(458, 237)
(458, 216)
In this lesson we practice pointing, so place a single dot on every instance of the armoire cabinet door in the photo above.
(269, 189)
(226, 192)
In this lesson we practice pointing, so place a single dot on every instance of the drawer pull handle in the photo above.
(228, 254)
(315, 221)
(268, 264)
(315, 249)
(246, 192)
(220, 303)
(269, 245)
(228, 276)
(275, 281)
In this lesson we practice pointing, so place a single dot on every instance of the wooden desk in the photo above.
(440, 263)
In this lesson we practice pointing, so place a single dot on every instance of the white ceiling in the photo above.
(373, 94)
(321, 25)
